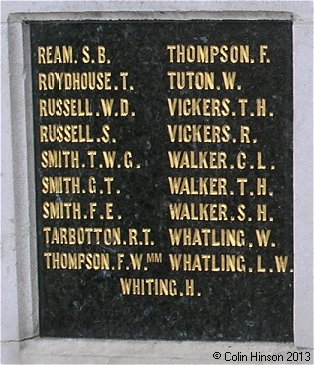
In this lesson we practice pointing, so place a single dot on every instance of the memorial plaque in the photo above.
(164, 179)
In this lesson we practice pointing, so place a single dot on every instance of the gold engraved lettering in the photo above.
(102, 58)
(262, 212)
(60, 159)
(150, 286)
(242, 181)
(83, 236)
(206, 237)
(261, 107)
(260, 267)
(108, 208)
(197, 160)
(61, 185)
(202, 186)
(245, 134)
(261, 186)
(199, 133)
(77, 261)
(198, 107)
(215, 263)
(241, 210)
(64, 108)
(200, 80)
(65, 133)
(198, 211)
(179, 53)
(74, 81)
(66, 210)
(55, 54)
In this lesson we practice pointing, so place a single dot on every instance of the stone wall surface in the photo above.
(19, 293)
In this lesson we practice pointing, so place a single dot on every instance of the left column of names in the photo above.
(80, 96)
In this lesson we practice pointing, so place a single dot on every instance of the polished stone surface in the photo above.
(233, 305)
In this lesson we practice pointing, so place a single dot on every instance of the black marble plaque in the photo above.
(164, 179)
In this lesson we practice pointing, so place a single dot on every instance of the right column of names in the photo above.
(222, 179)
